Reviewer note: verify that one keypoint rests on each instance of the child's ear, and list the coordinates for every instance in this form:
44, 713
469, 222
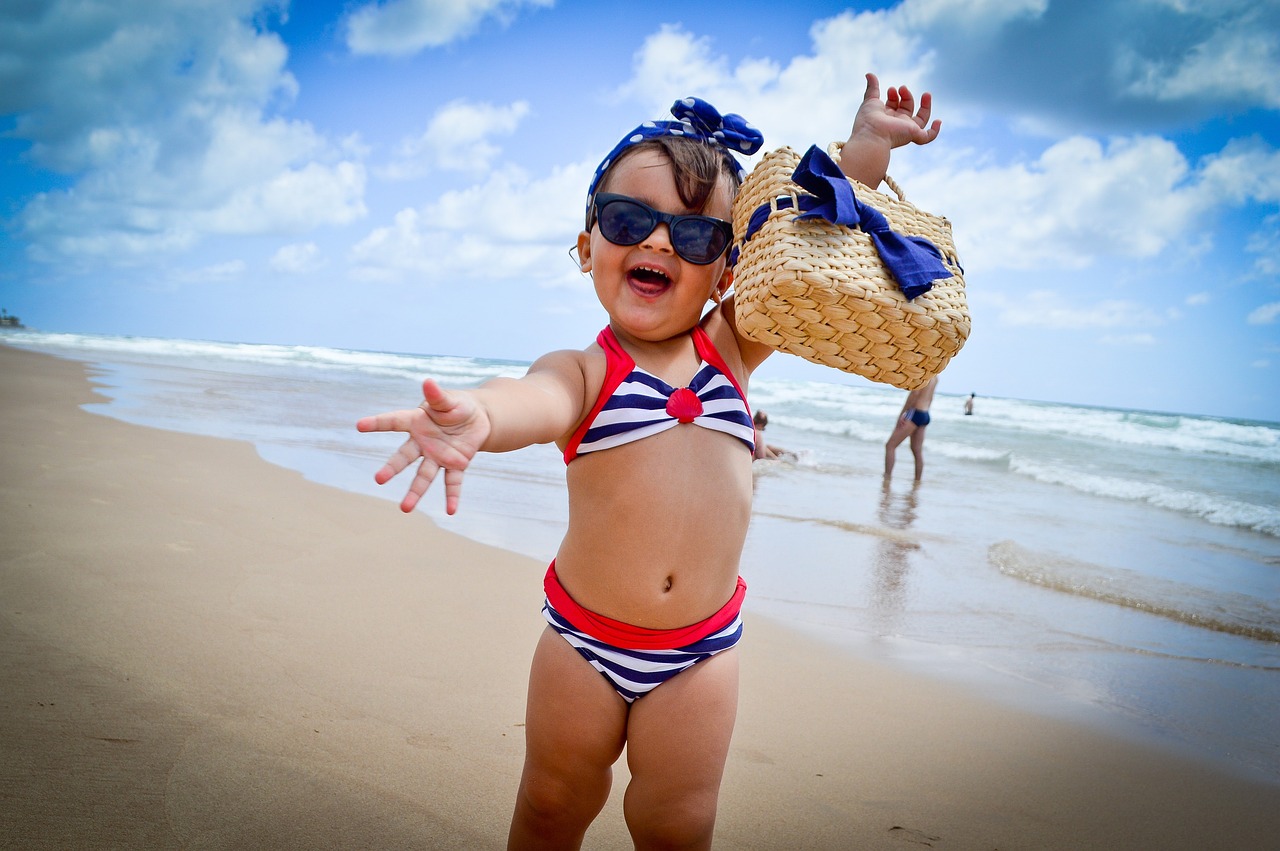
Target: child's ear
584, 252
722, 286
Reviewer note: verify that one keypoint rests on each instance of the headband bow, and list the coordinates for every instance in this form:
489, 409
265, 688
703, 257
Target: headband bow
697, 119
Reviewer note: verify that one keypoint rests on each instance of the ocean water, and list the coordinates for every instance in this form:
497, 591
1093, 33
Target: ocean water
1114, 567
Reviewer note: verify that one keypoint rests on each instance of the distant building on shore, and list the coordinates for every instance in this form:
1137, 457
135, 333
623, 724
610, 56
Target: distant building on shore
7, 321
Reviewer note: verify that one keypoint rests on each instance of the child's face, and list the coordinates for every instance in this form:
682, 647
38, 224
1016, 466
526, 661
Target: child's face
649, 291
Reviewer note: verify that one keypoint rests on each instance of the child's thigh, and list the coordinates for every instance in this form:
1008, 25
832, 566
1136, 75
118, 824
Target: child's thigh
574, 720
678, 734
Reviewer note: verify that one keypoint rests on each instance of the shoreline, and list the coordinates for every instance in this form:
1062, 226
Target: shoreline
201, 648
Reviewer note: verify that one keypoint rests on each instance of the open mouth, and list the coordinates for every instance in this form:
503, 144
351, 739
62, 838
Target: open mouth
648, 280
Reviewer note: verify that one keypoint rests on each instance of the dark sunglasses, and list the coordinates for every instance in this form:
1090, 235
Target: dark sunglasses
626, 221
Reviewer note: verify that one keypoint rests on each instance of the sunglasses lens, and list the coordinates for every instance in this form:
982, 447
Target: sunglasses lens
625, 222
698, 240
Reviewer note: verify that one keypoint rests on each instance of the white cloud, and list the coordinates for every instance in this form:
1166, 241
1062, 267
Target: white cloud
673, 60
1238, 53
1198, 299
1265, 243
1264, 315
402, 27
230, 270
1244, 170
811, 99
971, 15
83, 80
457, 139
507, 228
1046, 309
1079, 202
294, 200
297, 258
1133, 65
161, 111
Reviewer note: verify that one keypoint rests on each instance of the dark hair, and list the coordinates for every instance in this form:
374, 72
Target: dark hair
698, 167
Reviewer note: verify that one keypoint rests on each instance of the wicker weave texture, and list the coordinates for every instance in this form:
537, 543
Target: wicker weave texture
820, 290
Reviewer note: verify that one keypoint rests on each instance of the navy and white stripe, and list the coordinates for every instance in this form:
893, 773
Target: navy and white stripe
634, 404
634, 673
638, 409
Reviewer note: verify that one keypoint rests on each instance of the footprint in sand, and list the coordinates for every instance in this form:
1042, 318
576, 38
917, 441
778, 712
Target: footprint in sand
916, 837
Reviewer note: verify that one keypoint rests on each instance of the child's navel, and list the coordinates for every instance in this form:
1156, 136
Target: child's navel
670, 582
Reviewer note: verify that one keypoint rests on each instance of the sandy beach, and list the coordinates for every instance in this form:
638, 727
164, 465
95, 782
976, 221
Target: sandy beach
203, 650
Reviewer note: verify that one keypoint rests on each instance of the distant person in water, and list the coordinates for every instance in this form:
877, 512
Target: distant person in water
968, 406
911, 423
765, 452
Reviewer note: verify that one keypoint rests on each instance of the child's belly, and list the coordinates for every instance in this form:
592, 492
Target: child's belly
655, 541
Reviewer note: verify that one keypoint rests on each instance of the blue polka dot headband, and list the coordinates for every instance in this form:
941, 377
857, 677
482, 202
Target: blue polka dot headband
696, 119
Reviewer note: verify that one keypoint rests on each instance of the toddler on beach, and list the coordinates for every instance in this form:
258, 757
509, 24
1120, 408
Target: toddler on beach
643, 600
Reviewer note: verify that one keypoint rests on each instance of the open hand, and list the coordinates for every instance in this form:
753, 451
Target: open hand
445, 432
895, 119
882, 125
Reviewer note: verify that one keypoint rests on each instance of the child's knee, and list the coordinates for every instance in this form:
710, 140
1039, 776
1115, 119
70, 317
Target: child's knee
685, 822
553, 801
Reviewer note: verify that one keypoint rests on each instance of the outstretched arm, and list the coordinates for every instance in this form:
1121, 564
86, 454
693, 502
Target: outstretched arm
880, 126
450, 427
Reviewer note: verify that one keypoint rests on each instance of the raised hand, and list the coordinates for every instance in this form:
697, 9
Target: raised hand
895, 119
882, 125
445, 432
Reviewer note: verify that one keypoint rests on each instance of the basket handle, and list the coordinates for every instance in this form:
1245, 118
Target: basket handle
833, 151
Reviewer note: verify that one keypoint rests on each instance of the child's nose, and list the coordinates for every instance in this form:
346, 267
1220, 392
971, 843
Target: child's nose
659, 239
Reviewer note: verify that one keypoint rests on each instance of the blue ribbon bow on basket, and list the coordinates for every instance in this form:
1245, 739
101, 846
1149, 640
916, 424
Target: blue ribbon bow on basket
914, 261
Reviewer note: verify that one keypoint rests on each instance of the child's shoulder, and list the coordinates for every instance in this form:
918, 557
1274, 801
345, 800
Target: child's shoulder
580, 371
741, 353
569, 361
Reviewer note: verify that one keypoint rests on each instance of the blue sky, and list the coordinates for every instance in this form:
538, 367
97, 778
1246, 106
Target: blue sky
410, 175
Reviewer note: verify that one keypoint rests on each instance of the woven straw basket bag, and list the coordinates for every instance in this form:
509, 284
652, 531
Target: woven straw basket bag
821, 291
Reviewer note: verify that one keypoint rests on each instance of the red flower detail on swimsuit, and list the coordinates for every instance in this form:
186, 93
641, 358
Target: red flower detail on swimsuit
684, 405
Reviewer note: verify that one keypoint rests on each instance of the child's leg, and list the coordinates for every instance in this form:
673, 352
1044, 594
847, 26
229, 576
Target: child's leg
575, 726
677, 742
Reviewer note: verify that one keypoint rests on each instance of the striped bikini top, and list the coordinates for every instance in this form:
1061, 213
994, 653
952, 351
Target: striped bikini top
635, 404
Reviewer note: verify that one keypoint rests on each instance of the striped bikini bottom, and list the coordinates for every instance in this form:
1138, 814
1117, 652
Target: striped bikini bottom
633, 659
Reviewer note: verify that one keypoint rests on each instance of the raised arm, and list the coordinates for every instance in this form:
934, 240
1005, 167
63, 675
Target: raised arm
880, 126
451, 426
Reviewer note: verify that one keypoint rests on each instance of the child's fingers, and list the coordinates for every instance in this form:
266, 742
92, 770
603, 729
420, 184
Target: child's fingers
452, 490
388, 421
929, 132
926, 109
403, 457
436, 398
421, 483
873, 88
905, 100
